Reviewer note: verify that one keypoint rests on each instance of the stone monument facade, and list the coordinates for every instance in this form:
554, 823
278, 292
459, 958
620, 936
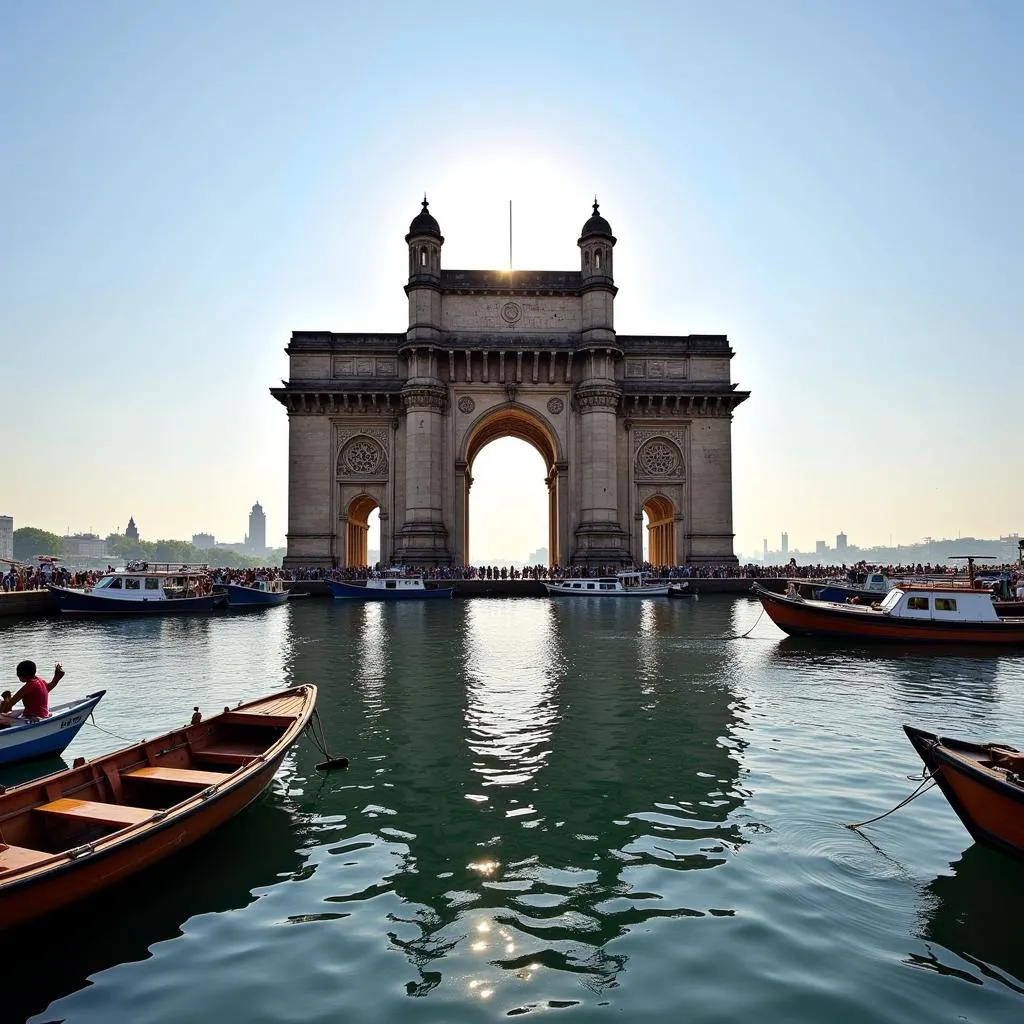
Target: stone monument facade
625, 424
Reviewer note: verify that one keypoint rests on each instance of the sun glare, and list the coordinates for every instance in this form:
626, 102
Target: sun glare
508, 511
548, 208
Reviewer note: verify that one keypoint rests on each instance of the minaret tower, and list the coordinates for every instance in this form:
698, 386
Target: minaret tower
424, 538
600, 539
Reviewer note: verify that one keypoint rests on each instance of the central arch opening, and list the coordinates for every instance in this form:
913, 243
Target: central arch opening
659, 544
511, 496
362, 542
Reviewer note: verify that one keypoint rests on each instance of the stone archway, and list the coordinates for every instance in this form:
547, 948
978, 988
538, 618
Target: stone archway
661, 531
523, 424
358, 530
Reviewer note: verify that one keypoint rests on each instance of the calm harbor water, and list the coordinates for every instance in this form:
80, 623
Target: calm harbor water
574, 809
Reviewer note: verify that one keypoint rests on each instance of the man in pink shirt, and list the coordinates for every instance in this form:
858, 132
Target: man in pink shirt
34, 692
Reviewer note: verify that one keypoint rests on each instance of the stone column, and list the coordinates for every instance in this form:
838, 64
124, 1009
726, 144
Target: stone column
600, 539
424, 537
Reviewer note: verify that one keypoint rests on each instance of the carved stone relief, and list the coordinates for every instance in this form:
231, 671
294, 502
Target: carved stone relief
363, 454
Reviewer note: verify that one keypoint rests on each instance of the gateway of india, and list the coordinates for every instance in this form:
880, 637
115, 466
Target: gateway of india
625, 424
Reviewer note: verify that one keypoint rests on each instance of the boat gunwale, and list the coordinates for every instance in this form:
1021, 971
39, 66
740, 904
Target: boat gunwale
57, 711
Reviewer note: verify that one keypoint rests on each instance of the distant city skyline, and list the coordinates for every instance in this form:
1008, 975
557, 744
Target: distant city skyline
861, 252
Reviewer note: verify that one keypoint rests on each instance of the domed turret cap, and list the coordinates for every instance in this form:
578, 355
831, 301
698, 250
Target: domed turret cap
424, 224
597, 225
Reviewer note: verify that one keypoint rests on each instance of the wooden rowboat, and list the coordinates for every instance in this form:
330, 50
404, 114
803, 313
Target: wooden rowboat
70, 834
984, 783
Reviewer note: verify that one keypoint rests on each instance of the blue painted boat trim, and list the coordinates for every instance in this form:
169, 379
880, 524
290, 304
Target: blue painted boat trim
75, 602
242, 596
34, 746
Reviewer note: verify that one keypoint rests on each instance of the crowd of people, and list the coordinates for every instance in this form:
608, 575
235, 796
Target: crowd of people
21, 578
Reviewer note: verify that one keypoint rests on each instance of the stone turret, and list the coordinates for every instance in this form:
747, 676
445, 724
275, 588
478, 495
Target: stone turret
424, 396
424, 288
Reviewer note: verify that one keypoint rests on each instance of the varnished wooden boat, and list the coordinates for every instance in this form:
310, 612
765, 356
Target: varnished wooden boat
908, 613
984, 783
68, 835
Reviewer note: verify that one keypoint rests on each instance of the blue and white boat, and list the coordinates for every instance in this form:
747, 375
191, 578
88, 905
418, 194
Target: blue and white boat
146, 588
258, 594
46, 737
389, 588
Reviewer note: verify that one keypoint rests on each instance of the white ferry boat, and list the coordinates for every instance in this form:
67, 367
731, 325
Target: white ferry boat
145, 588
390, 587
622, 584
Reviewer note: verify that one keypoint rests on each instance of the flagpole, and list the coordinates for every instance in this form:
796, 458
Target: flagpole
510, 236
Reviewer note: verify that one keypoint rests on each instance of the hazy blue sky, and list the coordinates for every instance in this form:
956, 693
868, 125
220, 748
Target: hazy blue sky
836, 186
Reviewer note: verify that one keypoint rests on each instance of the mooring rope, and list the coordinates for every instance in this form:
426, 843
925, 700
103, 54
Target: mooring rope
116, 735
744, 636
927, 782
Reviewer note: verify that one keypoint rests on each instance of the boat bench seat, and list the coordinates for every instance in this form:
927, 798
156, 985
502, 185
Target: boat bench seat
177, 776
217, 756
94, 811
13, 858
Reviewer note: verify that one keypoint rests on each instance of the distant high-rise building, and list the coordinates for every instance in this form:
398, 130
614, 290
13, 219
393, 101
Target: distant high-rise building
820, 548
840, 542
203, 541
256, 539
785, 543
132, 532
7, 537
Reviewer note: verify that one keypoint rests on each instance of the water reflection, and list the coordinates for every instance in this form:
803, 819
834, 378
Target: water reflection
552, 776
512, 664
975, 914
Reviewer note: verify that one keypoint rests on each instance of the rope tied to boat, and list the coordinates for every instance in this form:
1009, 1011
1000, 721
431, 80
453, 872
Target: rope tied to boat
116, 735
315, 731
927, 782
746, 636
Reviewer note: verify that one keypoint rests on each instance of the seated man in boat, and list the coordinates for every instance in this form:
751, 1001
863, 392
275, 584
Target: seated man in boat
34, 693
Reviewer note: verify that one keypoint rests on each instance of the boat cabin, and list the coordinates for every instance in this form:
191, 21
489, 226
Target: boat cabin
396, 583
950, 604
154, 581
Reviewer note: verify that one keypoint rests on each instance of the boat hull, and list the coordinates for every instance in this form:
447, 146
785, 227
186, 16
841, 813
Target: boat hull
247, 597
47, 737
990, 806
555, 590
152, 831
361, 593
78, 602
846, 622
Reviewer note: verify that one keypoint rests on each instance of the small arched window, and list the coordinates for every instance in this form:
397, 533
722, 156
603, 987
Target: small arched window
597, 259
423, 256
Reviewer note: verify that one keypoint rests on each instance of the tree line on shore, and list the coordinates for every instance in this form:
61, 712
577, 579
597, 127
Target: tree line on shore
30, 543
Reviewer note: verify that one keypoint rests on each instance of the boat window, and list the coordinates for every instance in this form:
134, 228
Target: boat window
891, 599
390, 584
917, 604
105, 582
590, 586
131, 583
945, 604
607, 586
152, 583
115, 583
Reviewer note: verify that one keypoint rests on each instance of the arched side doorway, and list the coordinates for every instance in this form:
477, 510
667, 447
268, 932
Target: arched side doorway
661, 531
525, 425
357, 530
